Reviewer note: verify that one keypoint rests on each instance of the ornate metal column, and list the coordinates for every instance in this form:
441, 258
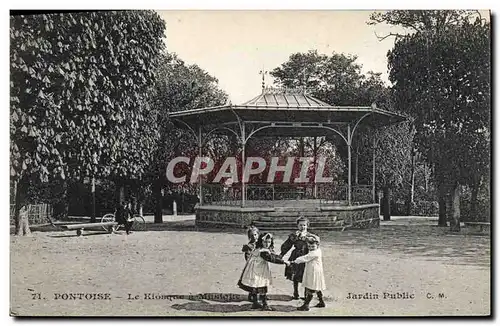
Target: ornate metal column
349, 141
373, 167
243, 145
200, 145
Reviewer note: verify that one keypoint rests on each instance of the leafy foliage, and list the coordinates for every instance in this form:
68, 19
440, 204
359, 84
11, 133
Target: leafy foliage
415, 21
392, 155
441, 75
443, 80
335, 79
179, 87
79, 93
338, 80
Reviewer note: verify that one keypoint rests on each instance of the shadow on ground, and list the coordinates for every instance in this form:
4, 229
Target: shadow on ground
74, 235
428, 241
225, 302
233, 297
183, 225
210, 307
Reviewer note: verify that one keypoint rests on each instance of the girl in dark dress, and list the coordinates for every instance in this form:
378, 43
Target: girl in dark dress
256, 276
297, 240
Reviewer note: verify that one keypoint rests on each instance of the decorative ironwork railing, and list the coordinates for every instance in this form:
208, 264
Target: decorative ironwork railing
218, 194
266, 194
362, 194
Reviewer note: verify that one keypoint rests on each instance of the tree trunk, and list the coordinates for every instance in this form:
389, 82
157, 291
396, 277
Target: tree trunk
453, 207
442, 204
408, 205
21, 211
158, 201
474, 204
122, 193
315, 154
411, 192
412, 188
92, 199
356, 167
119, 192
426, 178
386, 204
137, 200
61, 207
22, 222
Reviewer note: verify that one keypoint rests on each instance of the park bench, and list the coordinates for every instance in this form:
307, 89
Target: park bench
481, 227
108, 226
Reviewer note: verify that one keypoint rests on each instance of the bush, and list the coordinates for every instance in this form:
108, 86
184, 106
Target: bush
483, 210
425, 208
418, 208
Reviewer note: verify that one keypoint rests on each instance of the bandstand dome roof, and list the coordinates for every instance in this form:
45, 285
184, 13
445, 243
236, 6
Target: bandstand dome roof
284, 107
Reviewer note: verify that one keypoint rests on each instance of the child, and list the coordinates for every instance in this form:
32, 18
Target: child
298, 240
253, 235
314, 279
256, 275
125, 216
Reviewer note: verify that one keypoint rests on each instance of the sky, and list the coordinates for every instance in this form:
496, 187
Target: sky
234, 46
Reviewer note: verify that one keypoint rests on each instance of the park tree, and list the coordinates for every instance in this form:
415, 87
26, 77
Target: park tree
178, 87
440, 70
395, 152
421, 21
79, 97
335, 79
393, 155
338, 80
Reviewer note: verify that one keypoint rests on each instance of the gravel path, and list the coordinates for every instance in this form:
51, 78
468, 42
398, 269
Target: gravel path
173, 259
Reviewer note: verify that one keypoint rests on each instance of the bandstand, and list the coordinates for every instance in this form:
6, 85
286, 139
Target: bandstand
286, 113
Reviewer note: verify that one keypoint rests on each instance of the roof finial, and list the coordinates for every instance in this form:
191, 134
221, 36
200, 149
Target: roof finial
263, 73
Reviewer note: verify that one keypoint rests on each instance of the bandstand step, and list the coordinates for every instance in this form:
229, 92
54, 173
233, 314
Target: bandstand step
312, 224
297, 209
302, 212
293, 228
293, 219
288, 225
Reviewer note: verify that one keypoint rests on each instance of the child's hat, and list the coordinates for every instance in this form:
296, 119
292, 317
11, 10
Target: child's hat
312, 238
266, 235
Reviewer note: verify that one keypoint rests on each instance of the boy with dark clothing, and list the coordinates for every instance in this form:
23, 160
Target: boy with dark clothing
296, 240
125, 216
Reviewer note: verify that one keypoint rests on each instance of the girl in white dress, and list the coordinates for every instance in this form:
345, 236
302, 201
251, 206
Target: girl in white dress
256, 276
253, 236
314, 279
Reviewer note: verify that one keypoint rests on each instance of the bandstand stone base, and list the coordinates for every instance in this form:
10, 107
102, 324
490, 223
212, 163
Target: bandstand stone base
283, 217
228, 216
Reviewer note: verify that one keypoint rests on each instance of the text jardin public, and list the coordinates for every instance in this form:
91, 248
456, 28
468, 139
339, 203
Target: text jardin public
253, 166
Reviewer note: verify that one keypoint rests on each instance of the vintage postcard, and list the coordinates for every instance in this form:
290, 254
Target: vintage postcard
250, 163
